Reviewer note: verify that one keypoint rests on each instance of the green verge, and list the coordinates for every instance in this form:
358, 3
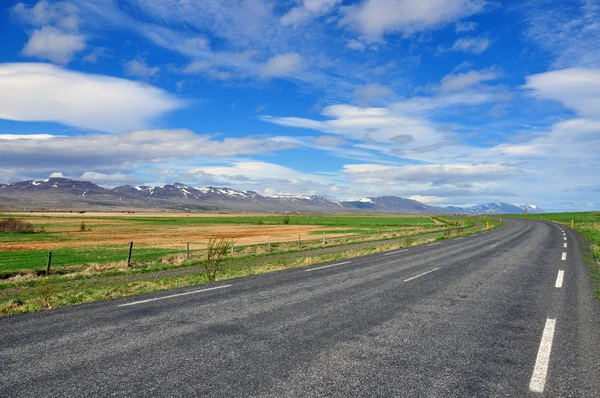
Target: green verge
58, 291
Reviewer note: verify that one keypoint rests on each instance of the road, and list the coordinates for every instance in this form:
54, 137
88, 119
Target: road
485, 315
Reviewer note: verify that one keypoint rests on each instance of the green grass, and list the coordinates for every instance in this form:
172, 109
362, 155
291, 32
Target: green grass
11, 261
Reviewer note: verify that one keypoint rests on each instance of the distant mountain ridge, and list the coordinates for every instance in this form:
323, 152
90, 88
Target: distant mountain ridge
64, 193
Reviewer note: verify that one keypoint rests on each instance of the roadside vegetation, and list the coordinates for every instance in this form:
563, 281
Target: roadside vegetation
100, 272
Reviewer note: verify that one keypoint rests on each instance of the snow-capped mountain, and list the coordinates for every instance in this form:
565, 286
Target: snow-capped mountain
503, 208
65, 193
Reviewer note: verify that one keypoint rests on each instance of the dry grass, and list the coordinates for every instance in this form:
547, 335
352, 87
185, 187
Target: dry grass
14, 226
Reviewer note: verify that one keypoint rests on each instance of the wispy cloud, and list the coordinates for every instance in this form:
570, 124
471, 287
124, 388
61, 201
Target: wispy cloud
373, 19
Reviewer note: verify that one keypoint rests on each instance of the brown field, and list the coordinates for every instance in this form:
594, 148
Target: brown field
114, 228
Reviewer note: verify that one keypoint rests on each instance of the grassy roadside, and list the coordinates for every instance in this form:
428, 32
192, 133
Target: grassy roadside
587, 227
63, 290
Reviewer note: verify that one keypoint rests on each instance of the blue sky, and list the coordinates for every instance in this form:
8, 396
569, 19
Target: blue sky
450, 102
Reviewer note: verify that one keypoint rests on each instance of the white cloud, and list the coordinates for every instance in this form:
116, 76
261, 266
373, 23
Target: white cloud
382, 124
427, 174
460, 81
356, 45
114, 178
473, 45
44, 92
329, 140
26, 136
309, 9
462, 27
371, 93
139, 68
259, 170
568, 31
62, 14
375, 18
57, 38
102, 152
576, 88
54, 45
282, 65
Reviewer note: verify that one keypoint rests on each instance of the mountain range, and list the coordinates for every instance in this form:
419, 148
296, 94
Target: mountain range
68, 194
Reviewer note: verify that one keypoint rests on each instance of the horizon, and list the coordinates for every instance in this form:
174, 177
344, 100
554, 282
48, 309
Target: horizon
332, 199
450, 103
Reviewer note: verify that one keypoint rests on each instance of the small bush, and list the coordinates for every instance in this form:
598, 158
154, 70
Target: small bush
13, 226
409, 241
286, 220
217, 249
83, 227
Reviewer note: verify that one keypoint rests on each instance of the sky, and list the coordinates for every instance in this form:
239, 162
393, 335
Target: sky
449, 102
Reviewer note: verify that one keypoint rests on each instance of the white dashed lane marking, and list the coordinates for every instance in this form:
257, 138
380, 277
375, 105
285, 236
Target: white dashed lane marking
540, 371
173, 295
420, 275
327, 266
559, 279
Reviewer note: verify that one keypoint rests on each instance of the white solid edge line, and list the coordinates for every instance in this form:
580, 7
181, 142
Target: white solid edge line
559, 279
432, 244
173, 295
564, 256
540, 371
424, 273
459, 238
494, 245
327, 266
400, 251
565, 238
565, 245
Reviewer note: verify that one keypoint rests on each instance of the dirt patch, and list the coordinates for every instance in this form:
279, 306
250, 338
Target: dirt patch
169, 237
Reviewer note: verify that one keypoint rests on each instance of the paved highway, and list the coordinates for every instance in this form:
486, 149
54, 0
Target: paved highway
508, 312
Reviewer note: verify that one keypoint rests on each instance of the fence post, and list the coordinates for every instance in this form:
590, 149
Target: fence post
324, 241
345, 240
187, 251
298, 241
48, 263
129, 254
232, 246
269, 244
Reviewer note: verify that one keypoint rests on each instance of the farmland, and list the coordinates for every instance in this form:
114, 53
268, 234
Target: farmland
89, 250
79, 239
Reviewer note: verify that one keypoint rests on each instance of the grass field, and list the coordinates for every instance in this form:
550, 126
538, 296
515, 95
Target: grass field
103, 238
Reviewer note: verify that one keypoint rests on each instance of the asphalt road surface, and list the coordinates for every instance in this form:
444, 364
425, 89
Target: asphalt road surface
508, 312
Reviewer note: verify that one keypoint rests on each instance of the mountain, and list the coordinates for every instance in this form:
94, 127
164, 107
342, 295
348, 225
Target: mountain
64, 193
503, 208
390, 204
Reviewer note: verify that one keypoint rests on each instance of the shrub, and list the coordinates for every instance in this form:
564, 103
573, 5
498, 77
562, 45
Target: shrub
217, 249
409, 241
13, 226
83, 227
286, 219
